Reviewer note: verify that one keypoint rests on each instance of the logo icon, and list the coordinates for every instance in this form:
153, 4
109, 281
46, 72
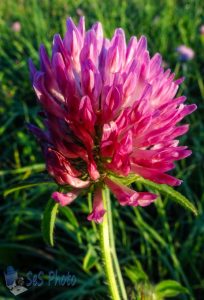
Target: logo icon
13, 282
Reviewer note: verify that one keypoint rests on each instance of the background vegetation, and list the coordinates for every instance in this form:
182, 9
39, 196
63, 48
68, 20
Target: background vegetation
160, 242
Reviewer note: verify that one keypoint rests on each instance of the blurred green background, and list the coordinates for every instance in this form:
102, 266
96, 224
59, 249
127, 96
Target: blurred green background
154, 244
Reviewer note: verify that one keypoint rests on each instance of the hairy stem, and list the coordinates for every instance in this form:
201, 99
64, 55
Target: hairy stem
112, 268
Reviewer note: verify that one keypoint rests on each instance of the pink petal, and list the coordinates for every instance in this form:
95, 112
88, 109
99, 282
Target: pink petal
72, 38
60, 73
65, 199
81, 26
89, 50
141, 46
75, 182
86, 114
91, 82
73, 43
127, 196
98, 208
62, 170
97, 27
92, 169
110, 103
131, 49
44, 97
146, 198
155, 175
109, 139
115, 57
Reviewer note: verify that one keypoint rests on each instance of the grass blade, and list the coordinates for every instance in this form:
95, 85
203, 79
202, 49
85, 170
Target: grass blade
48, 221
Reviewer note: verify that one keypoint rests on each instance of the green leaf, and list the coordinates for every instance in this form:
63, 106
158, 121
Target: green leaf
169, 288
32, 168
124, 180
26, 185
70, 216
170, 192
90, 259
161, 188
136, 273
48, 221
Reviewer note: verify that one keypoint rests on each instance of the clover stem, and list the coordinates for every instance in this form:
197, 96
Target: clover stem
112, 268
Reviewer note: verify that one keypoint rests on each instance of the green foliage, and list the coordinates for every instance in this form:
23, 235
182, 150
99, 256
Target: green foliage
170, 192
90, 259
48, 221
136, 273
170, 289
167, 241
161, 188
70, 216
25, 185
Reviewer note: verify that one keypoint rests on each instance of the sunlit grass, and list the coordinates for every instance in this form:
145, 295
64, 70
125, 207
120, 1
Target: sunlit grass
162, 241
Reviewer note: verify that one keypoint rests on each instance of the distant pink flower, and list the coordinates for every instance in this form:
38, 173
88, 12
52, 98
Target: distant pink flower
109, 108
16, 26
79, 12
185, 53
202, 29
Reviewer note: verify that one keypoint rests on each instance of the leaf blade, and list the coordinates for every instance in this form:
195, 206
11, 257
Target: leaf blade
161, 188
25, 186
48, 221
169, 288
169, 191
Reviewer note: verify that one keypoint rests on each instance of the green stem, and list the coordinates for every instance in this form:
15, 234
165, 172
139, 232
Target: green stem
112, 268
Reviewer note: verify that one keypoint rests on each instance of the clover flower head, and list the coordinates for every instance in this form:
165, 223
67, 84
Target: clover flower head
185, 53
16, 26
109, 110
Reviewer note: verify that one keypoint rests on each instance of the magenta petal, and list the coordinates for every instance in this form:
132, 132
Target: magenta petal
92, 169
98, 208
115, 58
39, 133
44, 60
97, 27
124, 195
72, 38
156, 175
91, 82
127, 196
179, 81
65, 199
146, 198
32, 69
110, 103
81, 26
89, 49
131, 49
48, 102
126, 144
86, 114
62, 170
76, 182
141, 45
73, 42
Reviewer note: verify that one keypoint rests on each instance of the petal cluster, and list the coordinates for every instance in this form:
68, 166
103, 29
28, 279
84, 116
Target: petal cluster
108, 108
